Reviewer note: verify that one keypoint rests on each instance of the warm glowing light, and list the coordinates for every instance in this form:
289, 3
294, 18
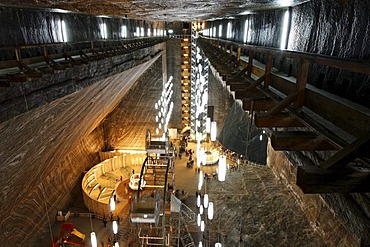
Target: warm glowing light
198, 201
186, 40
198, 219
201, 178
202, 226
218, 245
115, 227
205, 200
222, 168
208, 124
116, 244
112, 204
213, 131
94, 241
200, 244
210, 210
201, 209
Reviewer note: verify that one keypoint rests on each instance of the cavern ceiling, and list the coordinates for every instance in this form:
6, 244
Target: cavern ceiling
168, 10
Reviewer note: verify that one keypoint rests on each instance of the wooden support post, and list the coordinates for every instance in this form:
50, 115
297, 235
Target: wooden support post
283, 104
238, 75
250, 63
302, 75
258, 81
313, 179
268, 71
284, 119
358, 148
238, 54
299, 141
231, 51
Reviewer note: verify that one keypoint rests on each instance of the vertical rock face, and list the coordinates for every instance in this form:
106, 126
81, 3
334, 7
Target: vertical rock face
174, 69
126, 126
335, 28
46, 150
36, 26
219, 99
341, 220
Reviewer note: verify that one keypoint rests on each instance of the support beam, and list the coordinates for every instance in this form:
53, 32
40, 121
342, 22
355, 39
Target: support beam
250, 62
299, 141
284, 119
268, 71
259, 104
253, 93
258, 81
358, 148
239, 86
283, 104
302, 76
237, 77
313, 179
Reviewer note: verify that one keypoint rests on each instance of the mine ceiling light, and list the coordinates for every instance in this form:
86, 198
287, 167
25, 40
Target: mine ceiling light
210, 211
205, 201
94, 241
115, 227
222, 168
112, 204
285, 32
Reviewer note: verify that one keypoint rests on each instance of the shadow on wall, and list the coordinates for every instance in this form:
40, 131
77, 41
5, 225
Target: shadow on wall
237, 136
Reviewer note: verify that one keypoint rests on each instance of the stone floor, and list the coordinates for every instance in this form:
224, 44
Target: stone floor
251, 209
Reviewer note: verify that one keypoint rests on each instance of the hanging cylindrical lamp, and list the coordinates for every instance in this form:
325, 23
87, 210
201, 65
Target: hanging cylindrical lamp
115, 227
200, 244
213, 131
116, 244
112, 204
201, 178
202, 226
218, 245
198, 219
94, 241
210, 210
198, 201
222, 168
205, 200
201, 209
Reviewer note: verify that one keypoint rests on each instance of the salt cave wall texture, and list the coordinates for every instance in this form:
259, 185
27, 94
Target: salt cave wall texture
329, 27
335, 28
37, 26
